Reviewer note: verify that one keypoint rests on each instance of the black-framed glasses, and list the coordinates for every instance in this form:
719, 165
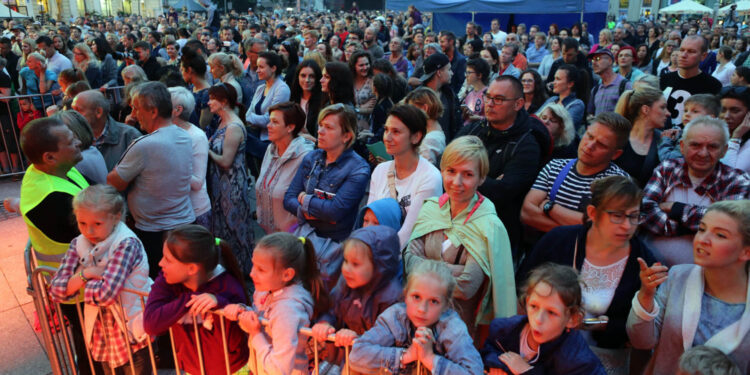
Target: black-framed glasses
497, 100
737, 90
618, 217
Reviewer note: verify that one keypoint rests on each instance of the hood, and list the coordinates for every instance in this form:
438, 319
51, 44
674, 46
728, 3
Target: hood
384, 244
520, 126
297, 293
386, 210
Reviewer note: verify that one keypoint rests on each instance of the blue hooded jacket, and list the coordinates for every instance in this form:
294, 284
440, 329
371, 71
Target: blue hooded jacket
357, 309
386, 210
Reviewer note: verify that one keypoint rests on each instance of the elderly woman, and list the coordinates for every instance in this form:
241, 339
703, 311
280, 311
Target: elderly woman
84, 60
37, 79
227, 68
274, 91
92, 166
462, 229
646, 109
283, 158
605, 250
408, 178
560, 127
433, 143
227, 176
706, 303
329, 184
183, 104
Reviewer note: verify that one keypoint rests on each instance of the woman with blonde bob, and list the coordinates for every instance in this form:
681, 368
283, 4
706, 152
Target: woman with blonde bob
706, 303
560, 126
85, 60
461, 228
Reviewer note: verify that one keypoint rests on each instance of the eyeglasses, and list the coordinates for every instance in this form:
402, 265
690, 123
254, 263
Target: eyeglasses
498, 100
470, 72
618, 217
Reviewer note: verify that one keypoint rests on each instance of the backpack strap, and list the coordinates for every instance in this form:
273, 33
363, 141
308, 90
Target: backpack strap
622, 86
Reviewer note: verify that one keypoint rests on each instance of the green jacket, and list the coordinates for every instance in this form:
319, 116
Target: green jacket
483, 235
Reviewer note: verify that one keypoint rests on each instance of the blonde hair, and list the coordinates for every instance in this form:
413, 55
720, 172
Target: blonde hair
465, 148
347, 119
569, 130
425, 96
438, 270
38, 57
230, 62
739, 210
315, 56
90, 59
634, 100
100, 198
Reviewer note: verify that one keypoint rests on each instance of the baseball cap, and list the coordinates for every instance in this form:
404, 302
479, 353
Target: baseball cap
601, 51
432, 64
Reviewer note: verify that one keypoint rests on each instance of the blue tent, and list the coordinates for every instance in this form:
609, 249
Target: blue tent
453, 14
191, 5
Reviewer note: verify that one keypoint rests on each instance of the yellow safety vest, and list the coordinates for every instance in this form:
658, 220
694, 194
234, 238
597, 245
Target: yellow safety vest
36, 186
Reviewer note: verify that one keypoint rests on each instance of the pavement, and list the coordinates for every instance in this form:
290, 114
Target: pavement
22, 349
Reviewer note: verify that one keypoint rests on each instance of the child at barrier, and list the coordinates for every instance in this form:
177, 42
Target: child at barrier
422, 332
287, 286
544, 341
105, 258
368, 285
192, 282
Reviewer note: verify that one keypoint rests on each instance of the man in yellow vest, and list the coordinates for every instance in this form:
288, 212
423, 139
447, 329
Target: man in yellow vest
47, 192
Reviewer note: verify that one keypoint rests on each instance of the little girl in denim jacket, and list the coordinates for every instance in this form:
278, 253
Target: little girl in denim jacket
368, 285
544, 341
422, 333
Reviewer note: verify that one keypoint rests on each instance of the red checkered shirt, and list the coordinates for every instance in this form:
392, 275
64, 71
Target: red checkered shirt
108, 343
724, 183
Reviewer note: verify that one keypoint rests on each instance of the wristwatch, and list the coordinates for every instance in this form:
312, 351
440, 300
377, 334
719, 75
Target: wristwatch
548, 207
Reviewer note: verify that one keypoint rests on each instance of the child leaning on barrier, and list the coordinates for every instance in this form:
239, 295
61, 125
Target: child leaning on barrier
368, 285
105, 258
287, 286
192, 282
422, 332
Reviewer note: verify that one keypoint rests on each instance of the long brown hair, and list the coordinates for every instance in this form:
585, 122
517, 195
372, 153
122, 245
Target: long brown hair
298, 253
192, 243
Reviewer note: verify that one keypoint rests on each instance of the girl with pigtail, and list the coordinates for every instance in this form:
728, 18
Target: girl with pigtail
289, 294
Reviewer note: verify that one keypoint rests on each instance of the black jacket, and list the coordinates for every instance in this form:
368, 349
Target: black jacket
516, 154
558, 246
152, 68
451, 119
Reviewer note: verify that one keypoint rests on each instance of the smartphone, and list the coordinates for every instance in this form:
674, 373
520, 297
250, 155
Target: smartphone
594, 321
227, 44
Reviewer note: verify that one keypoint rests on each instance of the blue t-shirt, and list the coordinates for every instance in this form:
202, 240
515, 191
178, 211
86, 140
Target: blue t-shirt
715, 316
32, 85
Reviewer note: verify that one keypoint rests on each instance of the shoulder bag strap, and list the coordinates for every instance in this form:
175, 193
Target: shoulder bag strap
560, 178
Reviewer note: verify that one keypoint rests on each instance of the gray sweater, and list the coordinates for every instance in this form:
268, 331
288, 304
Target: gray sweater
661, 329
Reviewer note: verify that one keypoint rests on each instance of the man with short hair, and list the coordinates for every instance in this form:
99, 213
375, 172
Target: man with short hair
6, 52
111, 138
498, 36
515, 153
457, 60
309, 41
56, 61
146, 61
536, 52
156, 170
688, 79
571, 55
604, 96
471, 34
371, 44
507, 54
561, 192
437, 76
680, 190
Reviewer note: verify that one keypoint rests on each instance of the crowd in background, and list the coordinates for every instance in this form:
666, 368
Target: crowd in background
430, 181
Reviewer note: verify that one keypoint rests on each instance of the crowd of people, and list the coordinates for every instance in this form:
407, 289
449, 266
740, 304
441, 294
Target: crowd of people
510, 200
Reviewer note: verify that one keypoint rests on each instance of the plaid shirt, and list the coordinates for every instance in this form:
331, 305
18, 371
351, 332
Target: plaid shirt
724, 183
108, 343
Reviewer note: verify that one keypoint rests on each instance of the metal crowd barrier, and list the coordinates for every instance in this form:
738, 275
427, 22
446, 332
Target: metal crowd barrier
10, 131
59, 345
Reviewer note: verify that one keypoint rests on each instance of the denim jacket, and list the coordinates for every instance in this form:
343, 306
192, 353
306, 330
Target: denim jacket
575, 108
333, 192
380, 348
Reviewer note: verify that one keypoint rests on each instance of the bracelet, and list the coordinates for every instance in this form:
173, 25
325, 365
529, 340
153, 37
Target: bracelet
80, 274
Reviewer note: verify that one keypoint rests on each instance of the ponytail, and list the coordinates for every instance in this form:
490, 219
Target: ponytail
231, 264
235, 66
298, 253
621, 108
313, 281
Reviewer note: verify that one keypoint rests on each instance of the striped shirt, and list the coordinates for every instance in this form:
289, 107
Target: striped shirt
575, 191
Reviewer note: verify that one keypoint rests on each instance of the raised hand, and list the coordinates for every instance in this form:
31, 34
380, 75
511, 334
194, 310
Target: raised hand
651, 278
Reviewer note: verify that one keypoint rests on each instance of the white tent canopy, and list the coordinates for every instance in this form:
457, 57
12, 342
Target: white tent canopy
743, 7
686, 7
6, 12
